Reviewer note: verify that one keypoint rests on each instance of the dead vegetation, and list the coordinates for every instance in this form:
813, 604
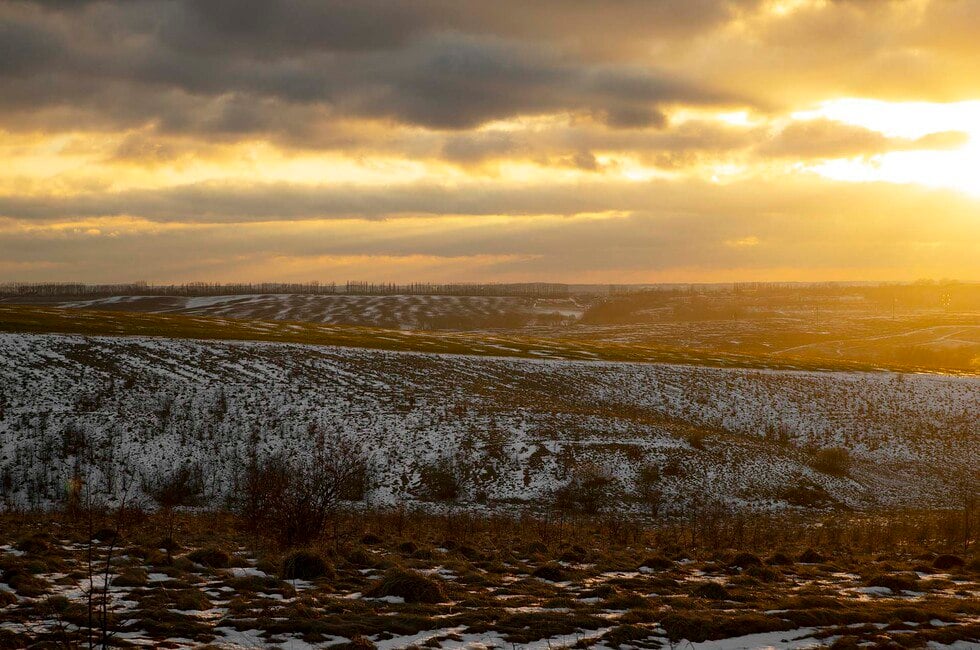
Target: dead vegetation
430, 578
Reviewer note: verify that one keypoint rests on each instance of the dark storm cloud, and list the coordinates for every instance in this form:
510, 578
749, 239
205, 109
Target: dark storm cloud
435, 64
26, 49
286, 27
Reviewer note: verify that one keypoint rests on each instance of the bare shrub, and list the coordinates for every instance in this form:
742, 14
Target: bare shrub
183, 487
295, 498
591, 490
648, 489
441, 480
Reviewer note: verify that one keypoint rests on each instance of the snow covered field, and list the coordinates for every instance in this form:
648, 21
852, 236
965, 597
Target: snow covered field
515, 427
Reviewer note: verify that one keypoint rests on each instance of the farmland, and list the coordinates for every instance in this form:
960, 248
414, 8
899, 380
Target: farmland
722, 483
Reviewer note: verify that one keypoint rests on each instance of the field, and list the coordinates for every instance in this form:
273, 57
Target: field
750, 344
715, 484
392, 312
741, 435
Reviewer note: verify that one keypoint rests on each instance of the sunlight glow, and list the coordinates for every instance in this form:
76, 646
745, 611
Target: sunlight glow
957, 168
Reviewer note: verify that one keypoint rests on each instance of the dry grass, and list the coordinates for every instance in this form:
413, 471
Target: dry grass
463, 570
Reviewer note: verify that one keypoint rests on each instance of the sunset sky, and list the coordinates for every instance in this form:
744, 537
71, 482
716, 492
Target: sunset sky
451, 140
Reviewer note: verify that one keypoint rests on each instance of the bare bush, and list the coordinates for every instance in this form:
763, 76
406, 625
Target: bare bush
591, 490
180, 488
441, 480
294, 499
648, 489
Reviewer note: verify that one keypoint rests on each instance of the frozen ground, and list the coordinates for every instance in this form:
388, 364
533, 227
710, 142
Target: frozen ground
514, 428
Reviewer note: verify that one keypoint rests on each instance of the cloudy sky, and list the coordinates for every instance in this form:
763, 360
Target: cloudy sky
499, 140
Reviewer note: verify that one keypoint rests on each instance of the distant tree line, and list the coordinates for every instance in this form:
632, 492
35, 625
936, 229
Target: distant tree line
526, 289
70, 289
79, 290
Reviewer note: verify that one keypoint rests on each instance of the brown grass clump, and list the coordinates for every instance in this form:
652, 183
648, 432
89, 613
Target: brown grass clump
407, 547
211, 557
413, 586
370, 539
574, 554
356, 643
360, 558
551, 571
131, 577
190, 599
624, 634
947, 562
657, 563
535, 548
702, 626
33, 546
763, 574
711, 591
105, 535
835, 461
24, 583
305, 565
746, 560
780, 559
895, 581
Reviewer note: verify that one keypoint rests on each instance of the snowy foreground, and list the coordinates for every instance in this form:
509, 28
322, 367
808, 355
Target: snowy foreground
513, 428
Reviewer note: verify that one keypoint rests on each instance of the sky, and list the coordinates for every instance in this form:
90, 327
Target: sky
580, 141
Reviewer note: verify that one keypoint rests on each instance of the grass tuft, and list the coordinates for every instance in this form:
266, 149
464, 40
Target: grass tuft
305, 565
214, 558
413, 586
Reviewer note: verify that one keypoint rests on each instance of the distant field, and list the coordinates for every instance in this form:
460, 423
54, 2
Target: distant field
922, 340
552, 343
413, 312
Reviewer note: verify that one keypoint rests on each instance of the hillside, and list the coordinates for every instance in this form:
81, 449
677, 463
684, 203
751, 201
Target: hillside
512, 429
